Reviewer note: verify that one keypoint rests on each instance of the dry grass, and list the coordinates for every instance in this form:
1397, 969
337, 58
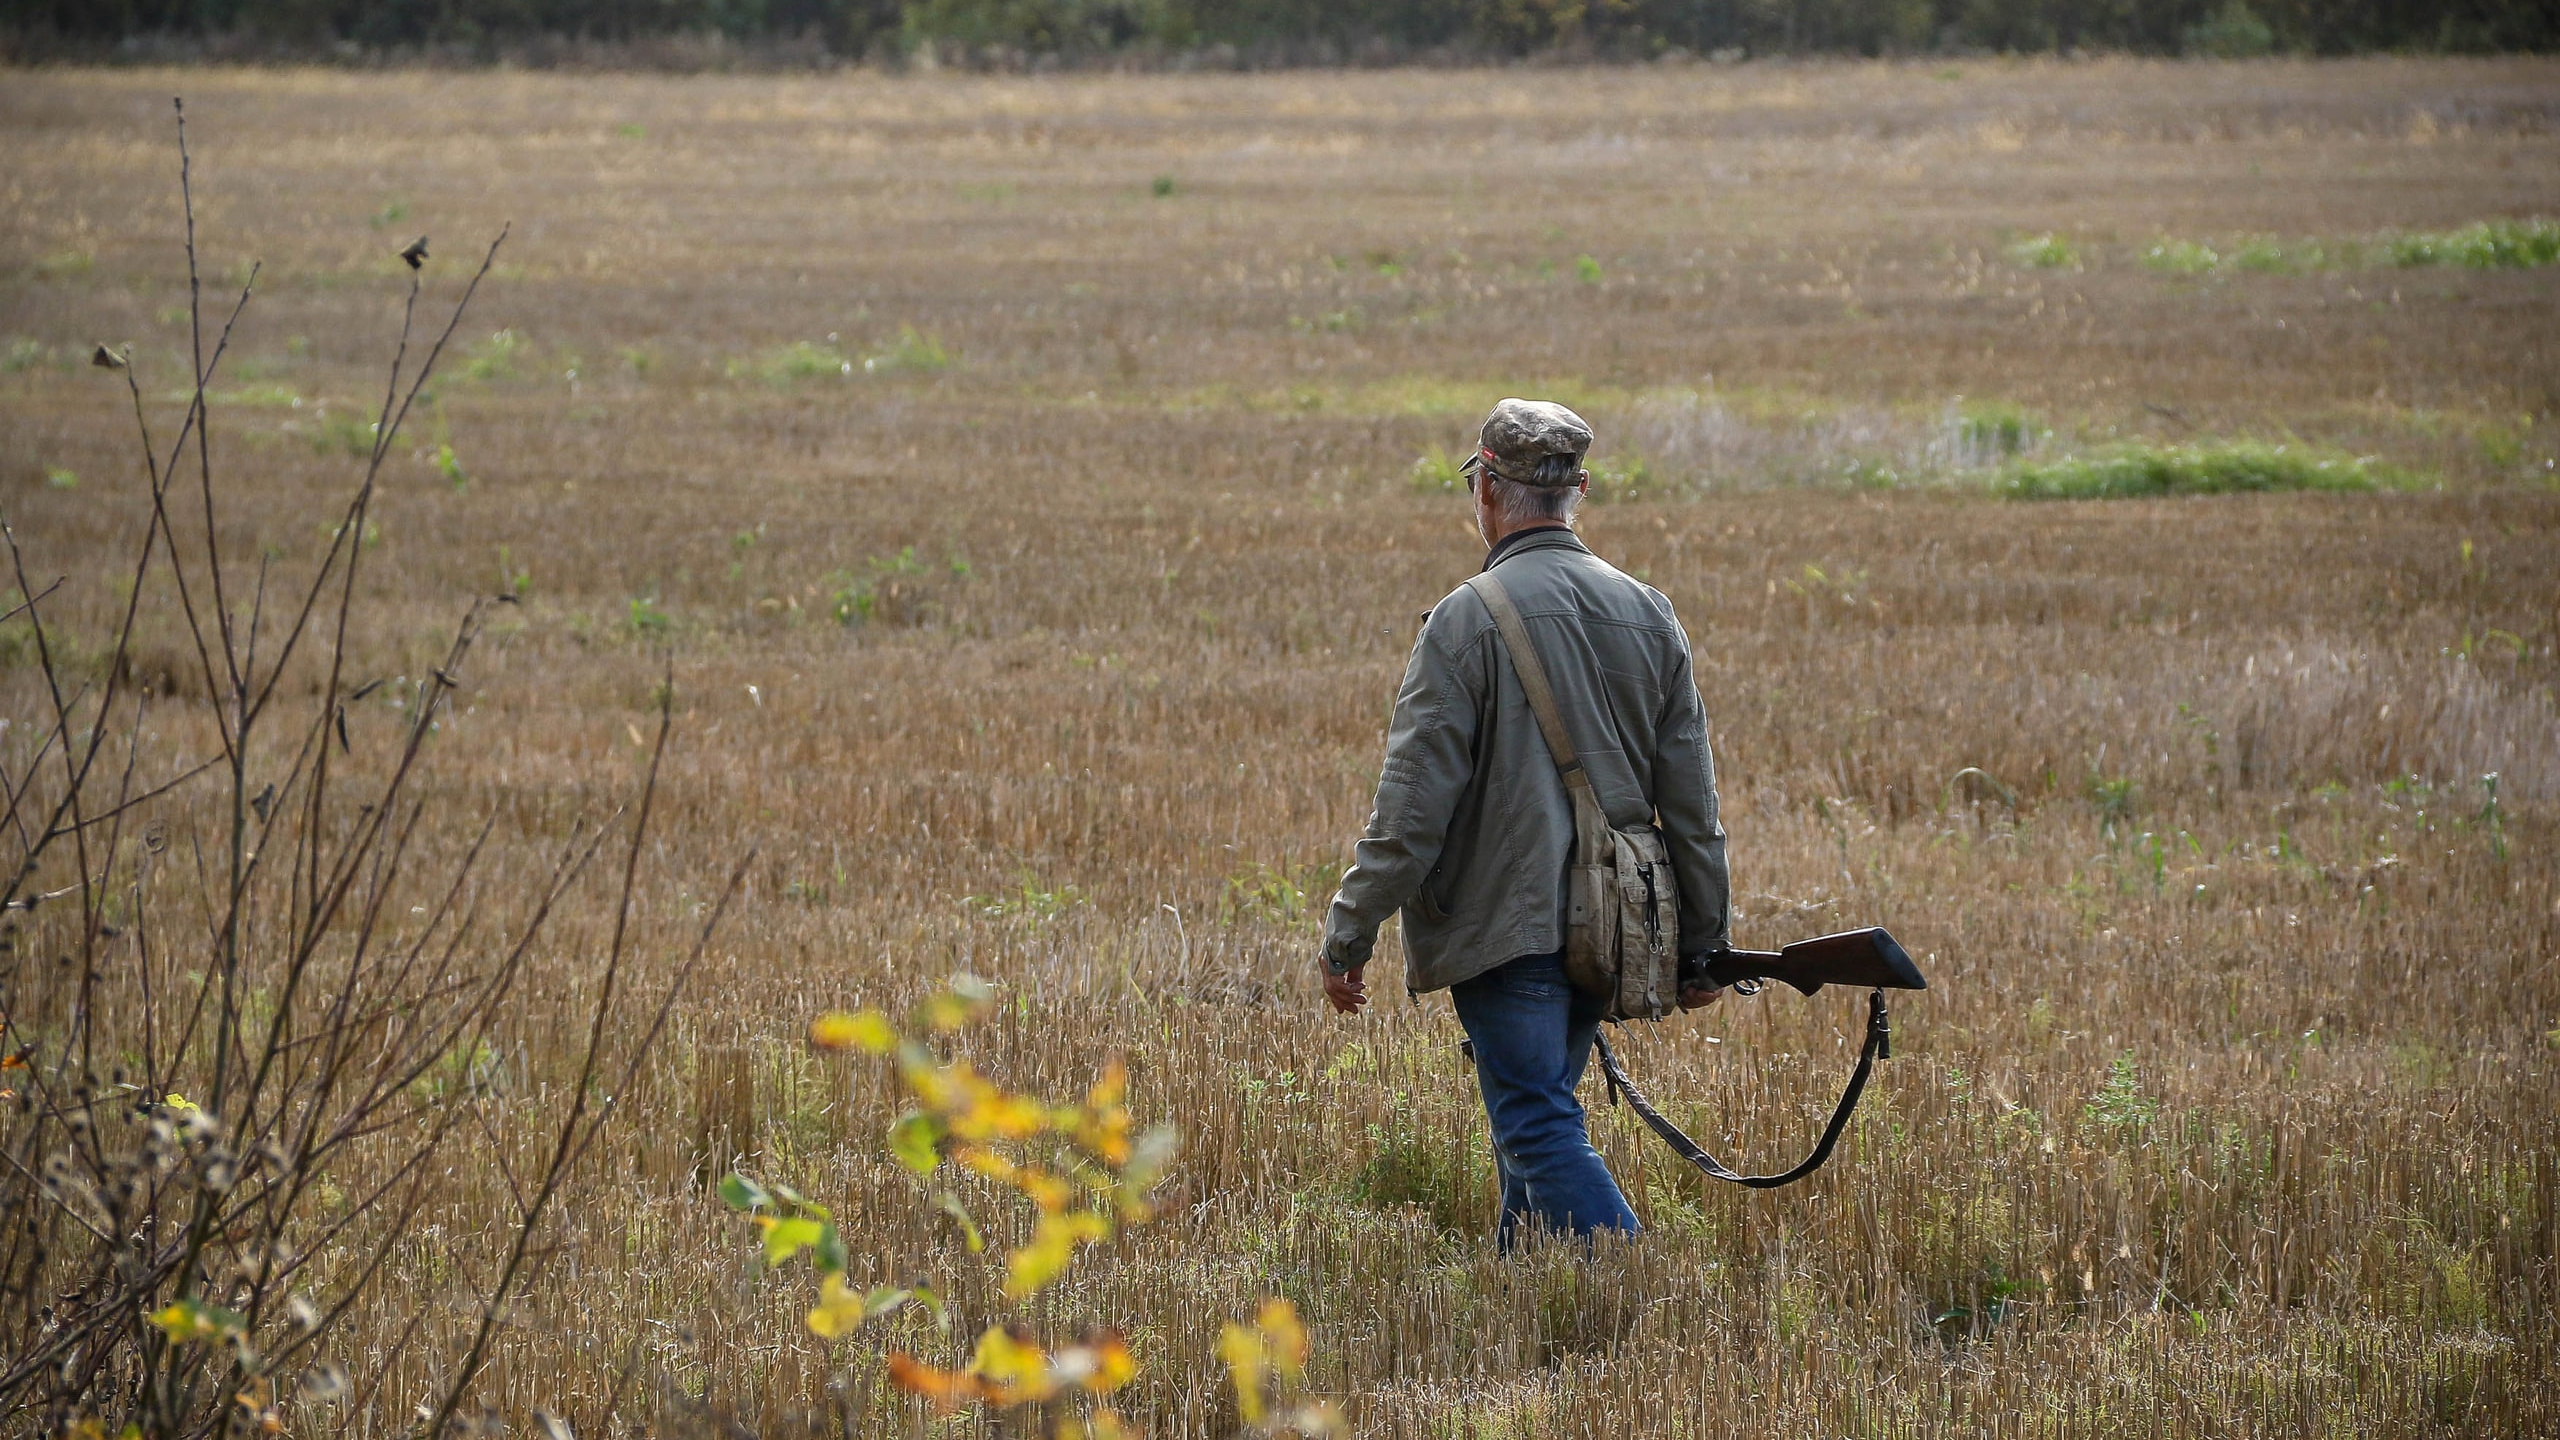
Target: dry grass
2232, 1106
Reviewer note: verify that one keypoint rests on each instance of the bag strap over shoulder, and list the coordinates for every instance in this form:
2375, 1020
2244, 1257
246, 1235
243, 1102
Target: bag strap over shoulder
1587, 812
1533, 674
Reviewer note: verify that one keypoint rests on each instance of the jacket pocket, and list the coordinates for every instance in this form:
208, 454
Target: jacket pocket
1427, 902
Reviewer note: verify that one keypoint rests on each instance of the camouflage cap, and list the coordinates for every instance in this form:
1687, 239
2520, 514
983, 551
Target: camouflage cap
1520, 433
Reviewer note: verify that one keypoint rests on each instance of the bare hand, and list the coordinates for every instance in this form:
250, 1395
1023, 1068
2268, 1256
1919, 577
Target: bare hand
1348, 991
1699, 997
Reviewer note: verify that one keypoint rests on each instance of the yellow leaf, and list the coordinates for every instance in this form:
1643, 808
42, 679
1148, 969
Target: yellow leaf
986, 1162
950, 1205
1109, 1087
1148, 1161
865, 1030
956, 1006
786, 1238
840, 1310
915, 1140
949, 1389
1102, 1134
1246, 1366
1046, 1189
1053, 1244
258, 1399
976, 1108
1113, 1365
1014, 1370
1284, 1337
189, 1321
1106, 1425
1014, 1117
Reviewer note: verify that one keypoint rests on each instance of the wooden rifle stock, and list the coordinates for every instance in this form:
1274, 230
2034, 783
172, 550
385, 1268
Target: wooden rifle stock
1865, 959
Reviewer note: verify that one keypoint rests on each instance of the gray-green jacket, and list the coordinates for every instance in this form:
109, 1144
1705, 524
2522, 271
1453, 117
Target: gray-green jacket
1472, 833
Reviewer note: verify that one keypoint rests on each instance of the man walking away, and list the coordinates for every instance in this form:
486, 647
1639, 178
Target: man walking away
1472, 831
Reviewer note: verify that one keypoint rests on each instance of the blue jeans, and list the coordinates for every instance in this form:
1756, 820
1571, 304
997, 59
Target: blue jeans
1531, 1033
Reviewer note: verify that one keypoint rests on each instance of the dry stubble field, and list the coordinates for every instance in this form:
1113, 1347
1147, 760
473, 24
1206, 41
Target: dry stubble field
1018, 474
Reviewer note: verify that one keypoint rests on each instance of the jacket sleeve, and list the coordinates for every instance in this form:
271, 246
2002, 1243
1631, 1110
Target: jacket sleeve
1685, 806
1430, 759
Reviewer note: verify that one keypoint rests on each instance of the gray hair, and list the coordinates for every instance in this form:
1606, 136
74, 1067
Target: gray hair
1555, 496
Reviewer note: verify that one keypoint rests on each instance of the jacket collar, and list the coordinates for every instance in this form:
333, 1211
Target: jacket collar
1546, 538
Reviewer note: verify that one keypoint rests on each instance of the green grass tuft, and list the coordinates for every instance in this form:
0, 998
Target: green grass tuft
1436, 472
2180, 257
1623, 477
911, 351
802, 360
2221, 468
496, 358
2489, 245
648, 619
1997, 427
2044, 252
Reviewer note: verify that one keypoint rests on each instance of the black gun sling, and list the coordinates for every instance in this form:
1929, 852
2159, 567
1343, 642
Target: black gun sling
1879, 1046
1541, 697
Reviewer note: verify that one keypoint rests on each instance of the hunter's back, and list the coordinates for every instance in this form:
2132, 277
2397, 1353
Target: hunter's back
1485, 884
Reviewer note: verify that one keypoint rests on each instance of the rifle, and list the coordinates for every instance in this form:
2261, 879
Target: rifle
1866, 959
1869, 958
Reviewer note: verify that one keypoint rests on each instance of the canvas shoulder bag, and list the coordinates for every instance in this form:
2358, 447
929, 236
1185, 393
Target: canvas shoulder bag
1622, 907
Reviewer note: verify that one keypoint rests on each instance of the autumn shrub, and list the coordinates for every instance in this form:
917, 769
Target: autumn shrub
238, 1051
1087, 1172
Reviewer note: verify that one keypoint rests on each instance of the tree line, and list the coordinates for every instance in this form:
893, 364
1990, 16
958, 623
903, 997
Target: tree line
1312, 31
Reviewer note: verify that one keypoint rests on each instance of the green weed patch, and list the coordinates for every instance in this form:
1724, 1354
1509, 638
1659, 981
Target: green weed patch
1437, 472
1994, 427
2489, 245
2228, 468
1625, 477
495, 358
2172, 256
910, 352
2044, 252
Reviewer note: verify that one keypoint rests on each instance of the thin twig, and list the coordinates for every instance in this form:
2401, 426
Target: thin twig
568, 1147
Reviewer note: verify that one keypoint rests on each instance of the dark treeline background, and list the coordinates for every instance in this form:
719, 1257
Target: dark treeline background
1279, 31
